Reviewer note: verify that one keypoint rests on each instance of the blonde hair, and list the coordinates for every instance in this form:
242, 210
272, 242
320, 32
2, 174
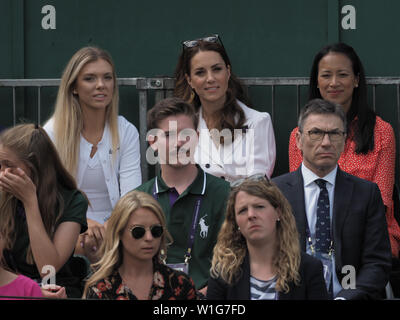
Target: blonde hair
33, 147
67, 116
111, 248
231, 248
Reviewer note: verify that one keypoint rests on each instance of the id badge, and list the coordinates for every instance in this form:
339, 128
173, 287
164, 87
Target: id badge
184, 267
326, 260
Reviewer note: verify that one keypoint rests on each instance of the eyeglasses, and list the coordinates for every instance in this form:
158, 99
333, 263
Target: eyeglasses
318, 135
254, 177
139, 231
193, 43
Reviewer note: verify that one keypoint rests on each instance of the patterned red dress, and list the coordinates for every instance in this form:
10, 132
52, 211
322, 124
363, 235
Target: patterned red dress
377, 166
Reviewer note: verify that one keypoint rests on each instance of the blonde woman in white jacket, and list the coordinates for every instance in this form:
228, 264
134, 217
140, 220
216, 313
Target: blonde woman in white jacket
98, 147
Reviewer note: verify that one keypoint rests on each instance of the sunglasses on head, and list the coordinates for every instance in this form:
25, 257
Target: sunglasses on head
254, 177
193, 43
139, 231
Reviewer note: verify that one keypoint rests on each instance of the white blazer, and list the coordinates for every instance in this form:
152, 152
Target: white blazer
123, 174
253, 150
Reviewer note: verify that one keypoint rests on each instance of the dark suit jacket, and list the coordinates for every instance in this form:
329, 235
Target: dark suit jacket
311, 286
359, 227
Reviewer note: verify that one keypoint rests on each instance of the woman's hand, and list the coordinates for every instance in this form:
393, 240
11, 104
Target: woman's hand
203, 291
95, 230
90, 241
19, 184
54, 292
91, 249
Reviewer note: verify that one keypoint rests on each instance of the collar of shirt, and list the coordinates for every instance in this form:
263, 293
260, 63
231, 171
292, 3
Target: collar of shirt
309, 176
202, 123
105, 138
198, 186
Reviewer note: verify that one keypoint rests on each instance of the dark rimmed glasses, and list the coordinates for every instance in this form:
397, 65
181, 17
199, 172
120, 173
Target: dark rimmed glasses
139, 231
318, 135
254, 177
193, 43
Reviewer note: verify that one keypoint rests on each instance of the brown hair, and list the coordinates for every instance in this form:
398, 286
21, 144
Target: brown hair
231, 116
231, 247
33, 147
170, 107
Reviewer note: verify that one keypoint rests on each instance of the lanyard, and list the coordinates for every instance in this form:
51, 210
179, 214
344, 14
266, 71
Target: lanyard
193, 227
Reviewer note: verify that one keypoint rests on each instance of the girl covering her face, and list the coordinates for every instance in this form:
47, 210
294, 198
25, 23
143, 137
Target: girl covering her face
41, 210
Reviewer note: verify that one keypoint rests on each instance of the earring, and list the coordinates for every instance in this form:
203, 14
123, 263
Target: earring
192, 95
162, 256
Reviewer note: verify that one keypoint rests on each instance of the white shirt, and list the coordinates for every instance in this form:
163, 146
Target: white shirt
251, 152
311, 194
121, 175
95, 187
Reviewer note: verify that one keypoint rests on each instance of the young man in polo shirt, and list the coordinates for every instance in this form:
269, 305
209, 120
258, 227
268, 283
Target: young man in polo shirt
193, 201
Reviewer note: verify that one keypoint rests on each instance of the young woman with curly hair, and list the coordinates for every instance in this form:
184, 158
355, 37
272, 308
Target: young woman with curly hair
257, 255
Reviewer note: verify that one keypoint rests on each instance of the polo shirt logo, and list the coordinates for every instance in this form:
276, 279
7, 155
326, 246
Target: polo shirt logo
204, 227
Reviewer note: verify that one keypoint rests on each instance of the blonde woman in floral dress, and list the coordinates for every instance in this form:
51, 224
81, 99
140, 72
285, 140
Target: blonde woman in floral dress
131, 266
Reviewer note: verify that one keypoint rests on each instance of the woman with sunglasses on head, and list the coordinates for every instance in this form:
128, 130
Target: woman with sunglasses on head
132, 253
41, 210
337, 75
98, 147
257, 255
235, 141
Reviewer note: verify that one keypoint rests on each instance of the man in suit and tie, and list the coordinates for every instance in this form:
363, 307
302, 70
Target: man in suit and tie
340, 218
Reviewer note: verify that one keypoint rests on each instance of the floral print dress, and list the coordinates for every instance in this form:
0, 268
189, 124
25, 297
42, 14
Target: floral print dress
168, 284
